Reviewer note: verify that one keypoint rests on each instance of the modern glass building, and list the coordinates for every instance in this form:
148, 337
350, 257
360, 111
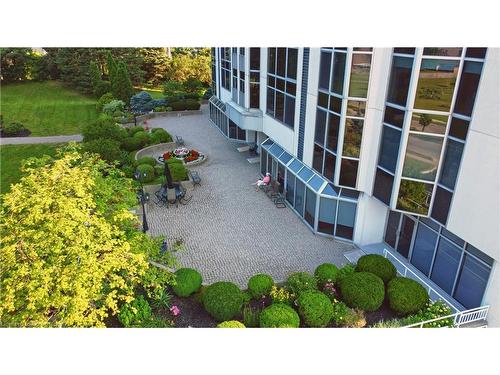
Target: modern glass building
388, 148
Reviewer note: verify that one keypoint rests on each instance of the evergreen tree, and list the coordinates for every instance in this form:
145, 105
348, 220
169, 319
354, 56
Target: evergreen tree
95, 78
121, 85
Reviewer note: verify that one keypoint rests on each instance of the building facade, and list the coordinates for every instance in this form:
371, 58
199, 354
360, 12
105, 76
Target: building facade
390, 148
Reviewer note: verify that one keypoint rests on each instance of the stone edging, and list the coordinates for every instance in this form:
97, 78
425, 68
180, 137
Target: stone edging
151, 115
169, 146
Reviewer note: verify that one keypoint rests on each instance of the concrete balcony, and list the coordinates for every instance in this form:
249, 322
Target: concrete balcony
247, 119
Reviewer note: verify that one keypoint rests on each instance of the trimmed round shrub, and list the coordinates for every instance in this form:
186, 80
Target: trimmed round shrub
315, 308
187, 282
160, 135
147, 160
223, 300
135, 129
178, 105
177, 170
147, 172
299, 282
135, 313
159, 170
279, 315
13, 128
131, 144
143, 137
260, 285
326, 273
103, 100
104, 128
346, 270
192, 104
108, 149
231, 324
378, 265
406, 296
363, 290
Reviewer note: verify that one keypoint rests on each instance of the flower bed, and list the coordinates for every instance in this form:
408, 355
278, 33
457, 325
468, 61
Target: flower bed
189, 157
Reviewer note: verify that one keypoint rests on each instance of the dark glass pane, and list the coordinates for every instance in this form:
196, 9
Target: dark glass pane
366, 49
446, 265
352, 137
360, 75
291, 88
346, 219
254, 95
348, 172
452, 237
427, 123
324, 70
289, 111
310, 211
443, 51
458, 128
405, 50
399, 80
422, 156
423, 249
281, 62
254, 58
414, 197
327, 213
280, 106
405, 236
323, 100
242, 134
451, 164
270, 102
319, 135
472, 282
329, 170
290, 187
441, 205
335, 104
263, 161
333, 132
436, 83
389, 148
299, 197
467, 88
391, 230
318, 158
280, 84
394, 116
478, 53
271, 81
429, 222
480, 255
356, 108
382, 187
292, 63
232, 130
337, 85
349, 193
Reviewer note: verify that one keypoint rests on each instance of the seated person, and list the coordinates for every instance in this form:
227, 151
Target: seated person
265, 181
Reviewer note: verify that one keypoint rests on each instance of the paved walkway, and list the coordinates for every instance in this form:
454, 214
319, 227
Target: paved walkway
32, 140
231, 231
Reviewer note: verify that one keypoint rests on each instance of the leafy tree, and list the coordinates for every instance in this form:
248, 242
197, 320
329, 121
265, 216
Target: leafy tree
193, 86
71, 253
17, 64
121, 85
154, 64
184, 66
173, 88
112, 67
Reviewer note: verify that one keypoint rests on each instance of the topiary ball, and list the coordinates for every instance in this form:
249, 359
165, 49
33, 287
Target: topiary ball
315, 308
260, 285
406, 296
143, 137
299, 282
363, 290
326, 273
187, 282
147, 160
223, 300
147, 172
378, 265
231, 324
279, 315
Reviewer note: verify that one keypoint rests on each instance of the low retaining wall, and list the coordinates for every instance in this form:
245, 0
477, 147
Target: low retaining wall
148, 151
151, 115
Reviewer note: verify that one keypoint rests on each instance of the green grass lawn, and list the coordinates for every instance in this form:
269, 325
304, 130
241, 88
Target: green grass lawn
155, 93
11, 157
46, 108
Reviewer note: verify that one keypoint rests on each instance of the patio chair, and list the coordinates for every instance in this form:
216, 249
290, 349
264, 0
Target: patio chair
179, 141
279, 201
161, 197
181, 198
195, 177
274, 190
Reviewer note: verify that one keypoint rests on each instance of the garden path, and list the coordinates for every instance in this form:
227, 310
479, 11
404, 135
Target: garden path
33, 140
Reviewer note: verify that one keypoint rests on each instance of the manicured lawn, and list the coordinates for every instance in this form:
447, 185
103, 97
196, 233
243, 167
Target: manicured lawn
46, 108
155, 93
11, 157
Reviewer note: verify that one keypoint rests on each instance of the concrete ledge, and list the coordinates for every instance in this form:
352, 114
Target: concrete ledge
151, 115
170, 146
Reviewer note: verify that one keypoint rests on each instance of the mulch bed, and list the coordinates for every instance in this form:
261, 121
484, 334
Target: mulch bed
22, 133
192, 313
384, 313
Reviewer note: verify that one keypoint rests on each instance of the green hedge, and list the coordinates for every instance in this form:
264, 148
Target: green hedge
187, 282
147, 160
177, 170
299, 282
315, 308
231, 324
260, 285
406, 296
326, 273
147, 172
363, 290
378, 265
279, 315
223, 300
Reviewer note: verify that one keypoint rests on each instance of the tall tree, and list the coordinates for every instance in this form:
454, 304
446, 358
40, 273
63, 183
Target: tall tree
16, 64
155, 64
121, 85
95, 78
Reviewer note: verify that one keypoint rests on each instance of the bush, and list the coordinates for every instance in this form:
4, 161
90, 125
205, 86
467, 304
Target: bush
363, 290
136, 129
247, 297
102, 88
299, 282
103, 100
13, 128
178, 105
378, 265
223, 300
131, 144
433, 310
147, 172
147, 160
315, 308
187, 282
135, 313
406, 296
159, 170
279, 315
173, 88
143, 137
113, 108
159, 135
208, 93
326, 273
192, 104
260, 285
104, 128
281, 295
251, 317
141, 102
231, 324
393, 323
177, 170
192, 96
108, 149
347, 270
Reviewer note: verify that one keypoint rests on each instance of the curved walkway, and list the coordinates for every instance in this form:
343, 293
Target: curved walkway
33, 140
231, 231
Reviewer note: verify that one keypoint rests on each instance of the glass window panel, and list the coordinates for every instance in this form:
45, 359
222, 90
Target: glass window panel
285, 158
319, 135
480, 255
478, 53
400, 80
333, 132
389, 148
427, 123
423, 248
467, 88
348, 172
329, 170
327, 213
382, 188
405, 236
291, 88
271, 81
232, 130
254, 95
394, 116
263, 161
451, 164
295, 166
255, 58
335, 104
472, 282
458, 128
337, 84
270, 102
391, 230
324, 70
452, 237
280, 84
331, 190
289, 111
316, 182
310, 211
441, 205
290, 187
366, 49
405, 50
352, 137
345, 220
270, 164
299, 196
356, 108
446, 265
292, 63
436, 83
280, 106
414, 197
281, 62
349, 193
318, 158
443, 51
305, 174
323, 100
430, 223
360, 75
267, 143
242, 134
276, 150
422, 156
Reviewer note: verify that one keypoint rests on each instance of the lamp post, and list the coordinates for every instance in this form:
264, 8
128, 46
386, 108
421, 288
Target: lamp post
142, 197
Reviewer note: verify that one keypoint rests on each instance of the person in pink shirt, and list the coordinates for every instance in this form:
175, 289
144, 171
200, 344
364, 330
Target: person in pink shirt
265, 181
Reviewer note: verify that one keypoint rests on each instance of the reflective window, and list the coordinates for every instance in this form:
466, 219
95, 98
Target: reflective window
405, 50
345, 220
451, 164
338, 71
382, 188
348, 172
335, 104
472, 282
458, 128
427, 123
446, 265
394, 116
352, 137
467, 89
323, 100
254, 58
414, 196
281, 62
436, 83
279, 106
443, 51
327, 213
324, 70
422, 156
263, 161
329, 170
319, 135
292, 63
333, 132
389, 148
478, 53
310, 210
299, 196
356, 108
360, 74
318, 158
305, 174
289, 110
423, 248
441, 205
290, 187
399, 80
391, 231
